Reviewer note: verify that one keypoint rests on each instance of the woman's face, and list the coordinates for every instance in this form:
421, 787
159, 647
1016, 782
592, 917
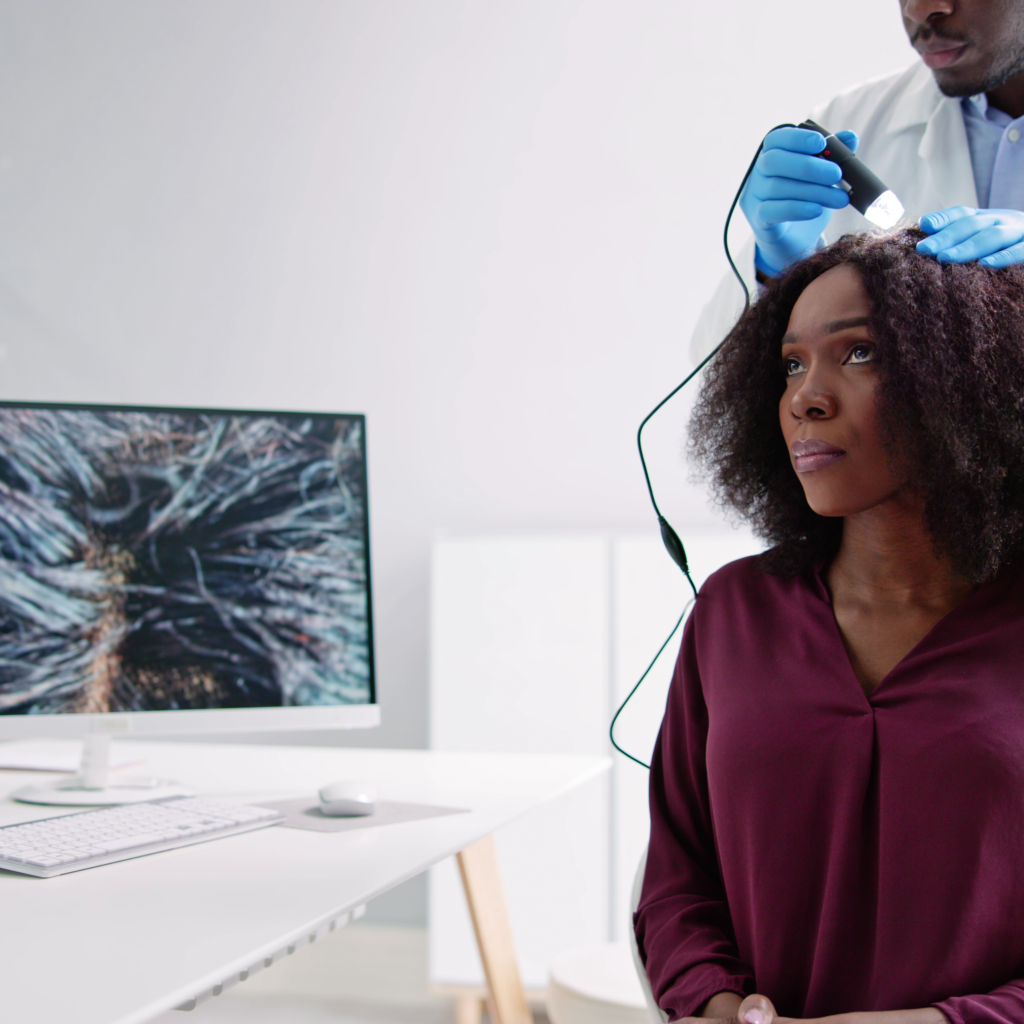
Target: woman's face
829, 410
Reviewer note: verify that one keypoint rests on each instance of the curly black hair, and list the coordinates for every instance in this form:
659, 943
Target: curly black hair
951, 393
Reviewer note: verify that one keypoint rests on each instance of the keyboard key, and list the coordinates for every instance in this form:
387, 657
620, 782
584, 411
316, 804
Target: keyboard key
126, 842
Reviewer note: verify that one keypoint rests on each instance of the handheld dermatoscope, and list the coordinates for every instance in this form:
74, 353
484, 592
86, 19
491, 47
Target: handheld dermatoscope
866, 191
879, 205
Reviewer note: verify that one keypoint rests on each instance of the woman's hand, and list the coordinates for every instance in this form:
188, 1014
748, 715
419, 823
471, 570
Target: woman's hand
724, 1006
758, 1009
728, 1008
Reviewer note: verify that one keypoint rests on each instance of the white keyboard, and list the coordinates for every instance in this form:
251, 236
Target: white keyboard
54, 846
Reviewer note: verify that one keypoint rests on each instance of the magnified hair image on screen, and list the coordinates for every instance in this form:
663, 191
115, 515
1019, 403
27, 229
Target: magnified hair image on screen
162, 560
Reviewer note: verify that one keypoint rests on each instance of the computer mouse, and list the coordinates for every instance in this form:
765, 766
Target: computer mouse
347, 799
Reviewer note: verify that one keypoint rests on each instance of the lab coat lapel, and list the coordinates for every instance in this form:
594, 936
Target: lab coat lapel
947, 158
941, 175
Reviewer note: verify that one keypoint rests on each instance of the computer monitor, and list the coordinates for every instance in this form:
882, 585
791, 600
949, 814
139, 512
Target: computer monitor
173, 570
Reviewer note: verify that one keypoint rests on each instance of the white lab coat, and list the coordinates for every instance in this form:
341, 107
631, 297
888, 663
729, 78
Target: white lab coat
911, 136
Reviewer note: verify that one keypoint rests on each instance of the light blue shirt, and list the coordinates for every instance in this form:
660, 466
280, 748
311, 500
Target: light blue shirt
996, 142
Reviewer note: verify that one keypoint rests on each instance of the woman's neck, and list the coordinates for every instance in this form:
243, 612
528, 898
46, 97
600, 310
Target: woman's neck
887, 557
889, 588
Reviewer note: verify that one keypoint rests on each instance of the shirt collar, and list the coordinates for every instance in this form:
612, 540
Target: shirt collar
978, 106
979, 101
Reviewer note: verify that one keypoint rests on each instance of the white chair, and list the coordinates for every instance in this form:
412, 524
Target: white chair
604, 984
657, 1014
596, 985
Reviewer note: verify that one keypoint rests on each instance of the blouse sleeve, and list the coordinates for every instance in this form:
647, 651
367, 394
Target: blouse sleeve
1003, 1005
683, 929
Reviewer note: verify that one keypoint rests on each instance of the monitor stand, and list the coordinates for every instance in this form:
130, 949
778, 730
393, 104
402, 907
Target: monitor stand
89, 788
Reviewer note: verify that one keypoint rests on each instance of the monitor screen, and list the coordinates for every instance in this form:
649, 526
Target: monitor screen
182, 559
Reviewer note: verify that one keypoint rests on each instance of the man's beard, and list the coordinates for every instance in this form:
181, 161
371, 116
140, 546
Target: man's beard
1011, 64
1005, 65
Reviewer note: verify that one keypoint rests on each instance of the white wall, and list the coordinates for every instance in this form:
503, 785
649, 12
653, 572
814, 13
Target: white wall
489, 226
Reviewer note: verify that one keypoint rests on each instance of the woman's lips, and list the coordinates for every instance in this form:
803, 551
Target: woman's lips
811, 454
943, 58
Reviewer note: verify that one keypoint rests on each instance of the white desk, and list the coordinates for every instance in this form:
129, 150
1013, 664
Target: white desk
122, 943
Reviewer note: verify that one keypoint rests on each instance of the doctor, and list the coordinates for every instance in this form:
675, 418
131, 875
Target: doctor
946, 135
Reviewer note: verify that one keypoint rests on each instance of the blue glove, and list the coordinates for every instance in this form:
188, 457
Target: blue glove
961, 234
790, 195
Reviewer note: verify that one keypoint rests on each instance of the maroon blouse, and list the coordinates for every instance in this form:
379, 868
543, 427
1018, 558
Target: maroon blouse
834, 851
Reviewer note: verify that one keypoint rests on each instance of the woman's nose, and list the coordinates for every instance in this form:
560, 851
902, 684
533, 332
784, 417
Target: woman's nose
813, 402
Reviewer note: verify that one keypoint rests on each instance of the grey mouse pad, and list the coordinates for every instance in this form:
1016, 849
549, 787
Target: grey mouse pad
304, 812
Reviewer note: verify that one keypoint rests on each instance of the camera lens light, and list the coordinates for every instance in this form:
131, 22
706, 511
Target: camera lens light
885, 211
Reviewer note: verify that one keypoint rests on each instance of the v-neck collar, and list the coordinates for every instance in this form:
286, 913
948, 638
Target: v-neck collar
984, 591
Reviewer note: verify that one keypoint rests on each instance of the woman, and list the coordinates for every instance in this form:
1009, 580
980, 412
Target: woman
837, 792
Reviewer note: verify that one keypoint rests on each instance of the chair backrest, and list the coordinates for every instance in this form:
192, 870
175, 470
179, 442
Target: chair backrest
658, 1015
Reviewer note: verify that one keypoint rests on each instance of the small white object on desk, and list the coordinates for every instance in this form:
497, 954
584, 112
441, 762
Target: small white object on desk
16, 759
90, 787
347, 799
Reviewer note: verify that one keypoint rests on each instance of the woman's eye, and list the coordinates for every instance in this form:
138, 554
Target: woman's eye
861, 354
791, 366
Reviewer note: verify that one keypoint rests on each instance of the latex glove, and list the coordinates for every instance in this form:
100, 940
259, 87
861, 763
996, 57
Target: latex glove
790, 195
961, 234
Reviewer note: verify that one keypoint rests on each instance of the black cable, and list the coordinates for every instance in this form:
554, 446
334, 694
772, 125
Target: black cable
728, 221
669, 537
611, 730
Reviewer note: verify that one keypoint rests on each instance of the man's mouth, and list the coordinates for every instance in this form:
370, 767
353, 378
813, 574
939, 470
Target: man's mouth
940, 53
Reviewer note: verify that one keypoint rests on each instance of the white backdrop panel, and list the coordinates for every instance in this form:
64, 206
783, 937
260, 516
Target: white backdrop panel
648, 594
520, 662
525, 632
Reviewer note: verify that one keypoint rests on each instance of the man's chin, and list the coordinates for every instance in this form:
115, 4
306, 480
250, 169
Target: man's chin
952, 83
967, 81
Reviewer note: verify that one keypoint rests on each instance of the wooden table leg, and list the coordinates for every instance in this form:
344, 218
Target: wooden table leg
478, 866
469, 1010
